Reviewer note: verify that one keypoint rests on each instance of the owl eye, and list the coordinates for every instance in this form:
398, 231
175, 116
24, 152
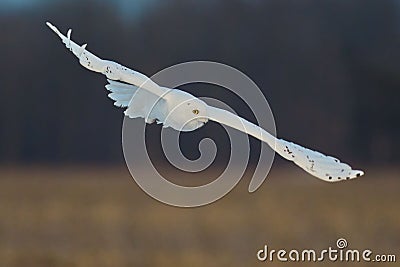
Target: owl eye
195, 111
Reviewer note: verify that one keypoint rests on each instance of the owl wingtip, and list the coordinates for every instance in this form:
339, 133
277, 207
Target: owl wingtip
359, 173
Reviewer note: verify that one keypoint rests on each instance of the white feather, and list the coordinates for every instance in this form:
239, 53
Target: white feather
319, 165
111, 69
174, 108
324, 167
121, 93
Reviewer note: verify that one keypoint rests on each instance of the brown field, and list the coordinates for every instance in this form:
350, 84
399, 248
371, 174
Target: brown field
97, 216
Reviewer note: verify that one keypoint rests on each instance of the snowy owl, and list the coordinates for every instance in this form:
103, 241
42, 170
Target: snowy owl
143, 98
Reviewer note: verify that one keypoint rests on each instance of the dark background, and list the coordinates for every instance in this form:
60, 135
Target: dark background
329, 70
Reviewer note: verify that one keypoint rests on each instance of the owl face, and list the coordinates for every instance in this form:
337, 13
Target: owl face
188, 115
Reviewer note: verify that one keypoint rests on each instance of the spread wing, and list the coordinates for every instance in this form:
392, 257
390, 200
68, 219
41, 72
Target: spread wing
324, 167
112, 70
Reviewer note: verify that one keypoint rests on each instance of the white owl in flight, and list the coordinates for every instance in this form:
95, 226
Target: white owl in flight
184, 112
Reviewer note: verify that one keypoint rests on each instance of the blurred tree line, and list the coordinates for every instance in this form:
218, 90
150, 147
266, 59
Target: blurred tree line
329, 69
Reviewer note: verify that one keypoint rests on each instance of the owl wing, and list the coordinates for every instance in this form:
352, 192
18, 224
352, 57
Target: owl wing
112, 70
324, 167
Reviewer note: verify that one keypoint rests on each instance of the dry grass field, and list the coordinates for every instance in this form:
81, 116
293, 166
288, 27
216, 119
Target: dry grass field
97, 216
